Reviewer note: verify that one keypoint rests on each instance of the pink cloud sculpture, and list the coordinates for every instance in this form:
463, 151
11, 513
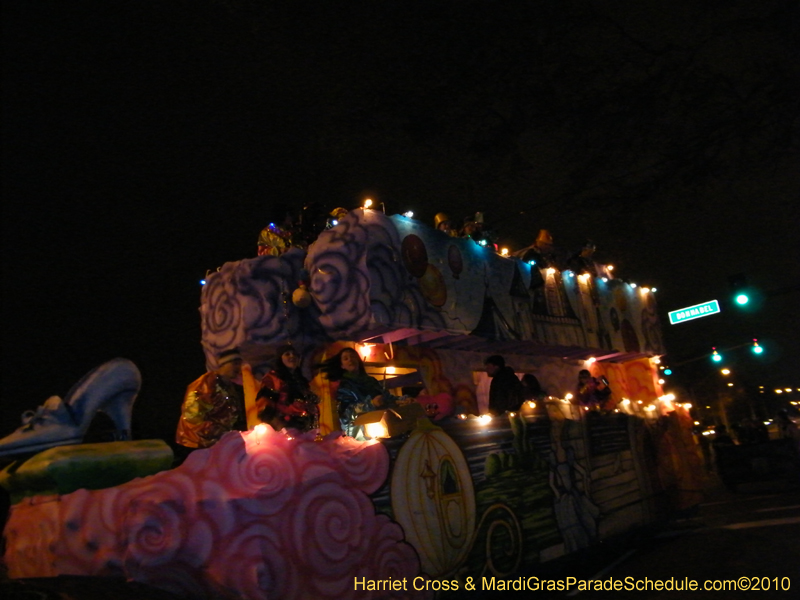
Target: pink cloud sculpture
259, 515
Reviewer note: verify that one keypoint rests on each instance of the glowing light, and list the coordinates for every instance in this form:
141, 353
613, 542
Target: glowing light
503, 251
661, 381
654, 290
512, 414
260, 430
570, 274
568, 397
656, 360
646, 290
610, 267
550, 270
202, 282
334, 222
788, 389
367, 202
532, 263
590, 360
697, 422
531, 404
730, 385
605, 279
485, 419
667, 371
778, 391
390, 370
482, 242
408, 214
726, 371
462, 417
633, 285
638, 402
742, 299
585, 408
366, 350
625, 401
687, 406
756, 348
716, 356
376, 430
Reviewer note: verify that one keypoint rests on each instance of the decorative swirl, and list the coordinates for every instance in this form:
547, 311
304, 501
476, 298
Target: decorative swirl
90, 546
365, 467
262, 477
252, 562
330, 526
391, 556
220, 312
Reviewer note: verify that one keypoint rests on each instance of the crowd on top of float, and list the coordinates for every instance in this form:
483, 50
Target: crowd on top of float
287, 231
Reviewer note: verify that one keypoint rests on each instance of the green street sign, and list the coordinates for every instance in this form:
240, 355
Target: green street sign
694, 312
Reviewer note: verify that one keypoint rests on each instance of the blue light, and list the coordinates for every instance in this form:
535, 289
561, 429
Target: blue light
482, 242
667, 371
334, 222
532, 263
202, 282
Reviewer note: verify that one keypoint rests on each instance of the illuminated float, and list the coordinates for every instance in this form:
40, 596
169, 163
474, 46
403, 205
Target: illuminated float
444, 491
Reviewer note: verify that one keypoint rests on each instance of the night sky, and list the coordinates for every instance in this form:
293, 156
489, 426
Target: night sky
147, 142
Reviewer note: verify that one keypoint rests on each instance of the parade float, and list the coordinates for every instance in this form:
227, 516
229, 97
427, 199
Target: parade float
440, 493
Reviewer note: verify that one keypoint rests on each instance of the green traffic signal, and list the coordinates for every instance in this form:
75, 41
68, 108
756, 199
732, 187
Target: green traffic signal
742, 299
756, 348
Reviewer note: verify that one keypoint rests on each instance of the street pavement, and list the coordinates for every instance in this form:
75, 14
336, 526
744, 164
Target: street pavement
751, 537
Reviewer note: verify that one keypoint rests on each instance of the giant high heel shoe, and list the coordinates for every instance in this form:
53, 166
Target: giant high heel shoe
111, 388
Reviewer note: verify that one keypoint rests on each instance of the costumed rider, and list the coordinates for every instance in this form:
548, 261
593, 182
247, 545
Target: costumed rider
336, 215
213, 405
285, 398
358, 392
276, 238
475, 228
542, 252
442, 223
505, 392
592, 392
582, 262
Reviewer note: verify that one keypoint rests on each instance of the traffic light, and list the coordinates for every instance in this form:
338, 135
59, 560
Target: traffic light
756, 348
716, 356
742, 295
